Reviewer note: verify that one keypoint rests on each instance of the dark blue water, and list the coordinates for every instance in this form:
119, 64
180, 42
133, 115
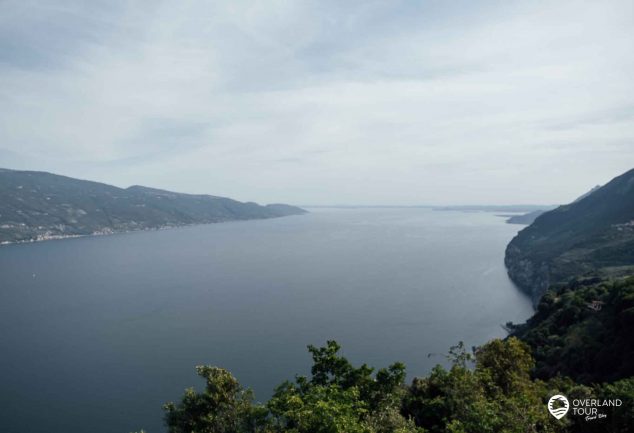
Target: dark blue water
97, 333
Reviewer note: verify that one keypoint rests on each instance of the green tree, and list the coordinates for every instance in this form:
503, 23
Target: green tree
223, 407
621, 418
330, 368
497, 396
317, 409
341, 398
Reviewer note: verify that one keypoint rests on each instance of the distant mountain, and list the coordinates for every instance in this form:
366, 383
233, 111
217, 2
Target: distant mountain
494, 208
592, 235
39, 206
526, 218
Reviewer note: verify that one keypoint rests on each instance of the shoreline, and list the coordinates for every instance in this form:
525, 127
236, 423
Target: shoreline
110, 232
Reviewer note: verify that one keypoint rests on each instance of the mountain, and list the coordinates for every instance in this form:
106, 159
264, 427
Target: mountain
594, 188
493, 208
38, 206
592, 235
528, 218
525, 219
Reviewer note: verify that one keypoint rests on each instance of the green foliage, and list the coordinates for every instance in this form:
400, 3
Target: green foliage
317, 409
622, 417
497, 395
341, 398
223, 407
338, 398
508, 363
331, 369
489, 390
567, 337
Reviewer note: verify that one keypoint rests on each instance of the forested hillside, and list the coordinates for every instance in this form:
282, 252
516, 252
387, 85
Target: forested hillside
584, 330
591, 236
39, 206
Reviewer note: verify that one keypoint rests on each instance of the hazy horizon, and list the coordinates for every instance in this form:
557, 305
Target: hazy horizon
343, 205
315, 103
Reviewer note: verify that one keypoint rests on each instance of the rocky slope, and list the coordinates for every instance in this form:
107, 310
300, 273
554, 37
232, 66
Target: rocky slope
40, 206
593, 235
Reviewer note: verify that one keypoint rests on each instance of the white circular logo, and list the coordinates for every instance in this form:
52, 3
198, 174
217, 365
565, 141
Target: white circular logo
558, 406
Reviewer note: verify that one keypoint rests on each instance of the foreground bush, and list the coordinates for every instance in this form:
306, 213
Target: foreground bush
489, 390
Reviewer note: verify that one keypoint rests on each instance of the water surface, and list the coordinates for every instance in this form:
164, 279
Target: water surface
97, 333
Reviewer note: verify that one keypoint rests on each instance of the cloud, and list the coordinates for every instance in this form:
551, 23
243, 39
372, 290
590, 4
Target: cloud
321, 102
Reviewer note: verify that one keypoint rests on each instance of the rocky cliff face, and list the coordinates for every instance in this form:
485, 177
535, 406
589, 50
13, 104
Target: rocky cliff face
533, 278
594, 235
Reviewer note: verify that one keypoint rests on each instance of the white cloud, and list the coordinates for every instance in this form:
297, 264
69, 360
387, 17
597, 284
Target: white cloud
322, 103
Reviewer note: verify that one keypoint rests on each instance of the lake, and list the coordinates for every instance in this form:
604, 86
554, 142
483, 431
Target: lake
96, 333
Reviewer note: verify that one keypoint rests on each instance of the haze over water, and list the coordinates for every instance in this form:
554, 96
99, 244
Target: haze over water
98, 332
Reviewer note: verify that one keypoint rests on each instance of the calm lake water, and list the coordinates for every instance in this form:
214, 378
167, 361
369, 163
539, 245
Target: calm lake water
97, 333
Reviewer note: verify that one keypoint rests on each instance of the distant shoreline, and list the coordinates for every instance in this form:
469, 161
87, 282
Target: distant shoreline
118, 232
462, 208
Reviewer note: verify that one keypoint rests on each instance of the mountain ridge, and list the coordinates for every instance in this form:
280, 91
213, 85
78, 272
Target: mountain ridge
36, 205
592, 235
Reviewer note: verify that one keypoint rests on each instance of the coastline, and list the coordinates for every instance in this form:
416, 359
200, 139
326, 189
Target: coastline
108, 232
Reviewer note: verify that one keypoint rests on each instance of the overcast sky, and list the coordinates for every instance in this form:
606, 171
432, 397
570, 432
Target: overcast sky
413, 102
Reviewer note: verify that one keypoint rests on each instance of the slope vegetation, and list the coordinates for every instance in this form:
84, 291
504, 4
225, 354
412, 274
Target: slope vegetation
39, 206
593, 235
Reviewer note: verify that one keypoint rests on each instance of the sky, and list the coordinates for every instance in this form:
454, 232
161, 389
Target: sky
324, 102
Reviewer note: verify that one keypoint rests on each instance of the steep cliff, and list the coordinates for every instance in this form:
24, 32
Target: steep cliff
592, 235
